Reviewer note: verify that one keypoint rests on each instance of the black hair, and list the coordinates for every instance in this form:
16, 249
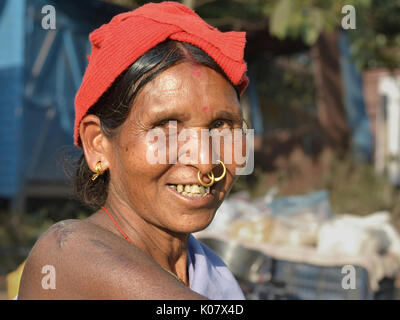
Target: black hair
114, 106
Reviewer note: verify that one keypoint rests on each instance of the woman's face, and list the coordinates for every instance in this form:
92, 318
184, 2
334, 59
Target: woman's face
193, 97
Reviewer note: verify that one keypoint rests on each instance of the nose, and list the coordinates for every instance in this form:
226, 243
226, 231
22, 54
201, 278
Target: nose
206, 174
201, 154
203, 170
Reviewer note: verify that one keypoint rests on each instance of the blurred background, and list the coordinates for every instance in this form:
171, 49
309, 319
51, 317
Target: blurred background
324, 100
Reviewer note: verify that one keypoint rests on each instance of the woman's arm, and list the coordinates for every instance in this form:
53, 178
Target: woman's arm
92, 263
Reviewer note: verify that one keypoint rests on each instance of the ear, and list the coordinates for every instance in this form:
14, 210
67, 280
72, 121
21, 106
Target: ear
95, 144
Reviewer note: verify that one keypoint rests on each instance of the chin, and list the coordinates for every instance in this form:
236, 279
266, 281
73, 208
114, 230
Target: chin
192, 224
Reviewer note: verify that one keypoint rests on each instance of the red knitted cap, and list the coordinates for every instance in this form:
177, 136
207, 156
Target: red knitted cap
119, 43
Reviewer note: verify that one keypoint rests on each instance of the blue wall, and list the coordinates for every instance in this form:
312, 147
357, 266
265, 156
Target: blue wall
37, 108
12, 14
357, 118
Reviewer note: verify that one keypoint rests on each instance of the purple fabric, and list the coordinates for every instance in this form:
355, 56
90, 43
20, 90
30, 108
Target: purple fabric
208, 274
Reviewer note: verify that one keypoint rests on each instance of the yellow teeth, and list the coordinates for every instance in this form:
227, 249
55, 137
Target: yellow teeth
191, 190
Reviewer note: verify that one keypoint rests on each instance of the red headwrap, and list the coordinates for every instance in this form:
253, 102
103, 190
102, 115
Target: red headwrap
119, 43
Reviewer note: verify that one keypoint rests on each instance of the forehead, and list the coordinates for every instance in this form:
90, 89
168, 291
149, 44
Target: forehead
187, 85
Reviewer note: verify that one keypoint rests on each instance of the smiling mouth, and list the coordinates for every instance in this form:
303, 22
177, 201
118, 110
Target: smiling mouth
191, 190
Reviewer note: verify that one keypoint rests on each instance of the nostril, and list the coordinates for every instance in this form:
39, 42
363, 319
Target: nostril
204, 177
218, 170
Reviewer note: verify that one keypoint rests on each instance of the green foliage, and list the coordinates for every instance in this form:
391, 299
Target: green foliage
374, 42
291, 19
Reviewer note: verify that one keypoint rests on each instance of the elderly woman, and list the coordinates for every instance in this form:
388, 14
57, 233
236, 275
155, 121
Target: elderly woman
159, 68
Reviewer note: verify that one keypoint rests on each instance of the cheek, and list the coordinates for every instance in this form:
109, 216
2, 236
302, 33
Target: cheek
131, 168
141, 160
138, 180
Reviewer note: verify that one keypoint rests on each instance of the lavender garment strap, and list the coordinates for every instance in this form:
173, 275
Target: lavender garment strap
208, 274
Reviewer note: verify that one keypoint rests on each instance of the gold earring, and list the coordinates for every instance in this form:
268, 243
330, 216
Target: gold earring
99, 171
223, 173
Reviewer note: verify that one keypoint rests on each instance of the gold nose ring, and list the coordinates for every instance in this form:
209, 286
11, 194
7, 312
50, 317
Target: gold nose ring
211, 176
223, 173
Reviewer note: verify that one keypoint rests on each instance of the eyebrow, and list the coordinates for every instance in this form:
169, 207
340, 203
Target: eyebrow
161, 115
233, 116
221, 114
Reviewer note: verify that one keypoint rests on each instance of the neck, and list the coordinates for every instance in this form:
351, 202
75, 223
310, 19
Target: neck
168, 249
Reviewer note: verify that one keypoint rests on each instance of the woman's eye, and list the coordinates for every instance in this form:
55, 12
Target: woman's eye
167, 123
221, 124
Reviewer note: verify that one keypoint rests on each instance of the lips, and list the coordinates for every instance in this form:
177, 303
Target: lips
191, 190
192, 200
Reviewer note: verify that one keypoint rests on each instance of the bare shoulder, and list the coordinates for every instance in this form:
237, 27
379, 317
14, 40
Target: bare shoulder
76, 259
52, 255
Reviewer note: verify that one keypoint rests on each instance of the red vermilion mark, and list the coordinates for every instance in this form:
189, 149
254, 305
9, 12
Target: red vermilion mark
205, 108
196, 71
